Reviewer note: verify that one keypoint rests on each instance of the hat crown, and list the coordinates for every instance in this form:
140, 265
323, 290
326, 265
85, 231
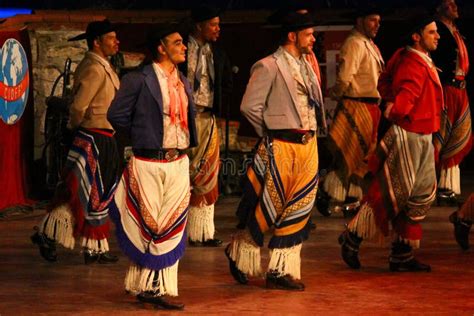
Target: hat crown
204, 13
94, 29
294, 21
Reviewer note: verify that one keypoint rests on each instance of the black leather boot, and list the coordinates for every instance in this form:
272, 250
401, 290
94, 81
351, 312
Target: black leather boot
47, 247
462, 228
107, 257
446, 197
238, 275
285, 282
159, 301
350, 243
322, 203
402, 260
90, 256
350, 207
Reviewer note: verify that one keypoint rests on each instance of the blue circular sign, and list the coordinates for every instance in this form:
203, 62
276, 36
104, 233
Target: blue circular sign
14, 81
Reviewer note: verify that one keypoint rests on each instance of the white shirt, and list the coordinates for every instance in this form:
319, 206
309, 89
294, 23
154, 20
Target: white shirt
174, 136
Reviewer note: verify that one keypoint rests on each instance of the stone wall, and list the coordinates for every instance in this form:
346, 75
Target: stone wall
49, 51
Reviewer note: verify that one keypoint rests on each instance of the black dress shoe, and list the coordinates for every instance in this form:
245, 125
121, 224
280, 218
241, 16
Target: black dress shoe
90, 257
349, 250
47, 247
350, 207
322, 203
411, 265
212, 242
207, 243
311, 224
238, 275
107, 257
461, 230
446, 197
285, 282
159, 301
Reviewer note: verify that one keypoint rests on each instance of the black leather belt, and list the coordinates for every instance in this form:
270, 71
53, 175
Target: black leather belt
363, 99
292, 136
203, 109
460, 84
158, 154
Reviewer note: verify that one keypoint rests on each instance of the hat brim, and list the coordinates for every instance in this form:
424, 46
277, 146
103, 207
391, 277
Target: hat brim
205, 17
79, 37
85, 35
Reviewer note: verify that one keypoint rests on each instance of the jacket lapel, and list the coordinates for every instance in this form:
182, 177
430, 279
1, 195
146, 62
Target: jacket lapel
373, 51
153, 85
107, 67
113, 76
290, 82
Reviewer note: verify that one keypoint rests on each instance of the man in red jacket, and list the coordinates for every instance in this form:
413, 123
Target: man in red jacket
404, 183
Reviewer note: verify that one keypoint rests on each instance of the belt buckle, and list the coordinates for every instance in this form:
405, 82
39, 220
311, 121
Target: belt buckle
171, 154
306, 137
462, 84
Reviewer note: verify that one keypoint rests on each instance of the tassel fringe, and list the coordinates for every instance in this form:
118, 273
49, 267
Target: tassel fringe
333, 186
450, 179
164, 282
246, 254
200, 226
99, 246
364, 226
59, 226
286, 261
355, 191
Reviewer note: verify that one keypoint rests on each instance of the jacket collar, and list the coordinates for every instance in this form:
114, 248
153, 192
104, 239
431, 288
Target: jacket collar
153, 85
285, 72
370, 45
426, 62
106, 64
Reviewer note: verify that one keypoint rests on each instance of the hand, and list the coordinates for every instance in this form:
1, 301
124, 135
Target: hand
388, 108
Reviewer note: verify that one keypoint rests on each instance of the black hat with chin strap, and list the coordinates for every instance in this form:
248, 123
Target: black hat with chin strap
291, 21
94, 29
204, 13
157, 34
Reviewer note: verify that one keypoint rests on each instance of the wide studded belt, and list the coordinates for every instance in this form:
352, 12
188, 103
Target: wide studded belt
158, 154
460, 84
292, 136
363, 99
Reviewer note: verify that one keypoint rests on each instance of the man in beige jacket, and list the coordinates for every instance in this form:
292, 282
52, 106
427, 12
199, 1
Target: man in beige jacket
81, 204
353, 131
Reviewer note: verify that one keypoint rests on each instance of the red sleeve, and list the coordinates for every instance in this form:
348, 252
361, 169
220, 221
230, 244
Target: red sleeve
385, 84
408, 81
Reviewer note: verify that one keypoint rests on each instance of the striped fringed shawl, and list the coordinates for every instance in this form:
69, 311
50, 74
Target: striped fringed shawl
89, 203
279, 192
151, 238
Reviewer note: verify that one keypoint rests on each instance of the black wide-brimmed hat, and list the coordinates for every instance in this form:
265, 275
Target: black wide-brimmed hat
418, 22
204, 12
94, 29
366, 8
291, 21
158, 33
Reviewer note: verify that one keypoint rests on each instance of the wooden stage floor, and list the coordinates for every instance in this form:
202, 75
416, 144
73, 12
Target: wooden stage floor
31, 286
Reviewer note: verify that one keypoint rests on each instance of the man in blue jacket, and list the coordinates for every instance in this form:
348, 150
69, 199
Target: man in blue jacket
150, 207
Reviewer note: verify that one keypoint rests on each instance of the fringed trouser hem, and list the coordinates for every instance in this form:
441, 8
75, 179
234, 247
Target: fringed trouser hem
246, 254
200, 226
161, 282
58, 225
364, 224
286, 261
450, 179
